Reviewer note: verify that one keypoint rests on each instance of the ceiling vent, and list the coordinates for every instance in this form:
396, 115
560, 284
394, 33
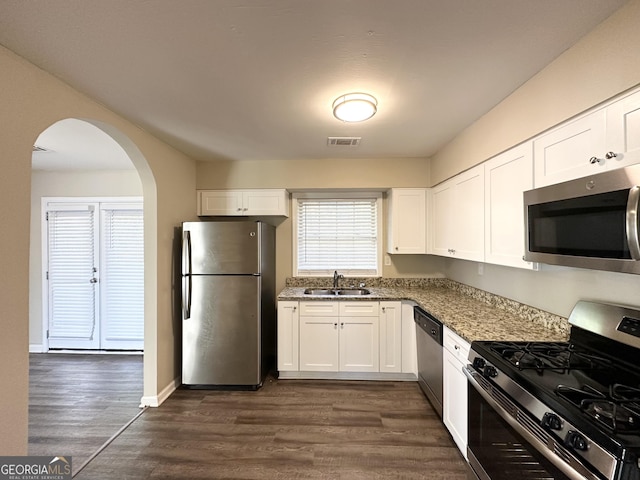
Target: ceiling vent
343, 141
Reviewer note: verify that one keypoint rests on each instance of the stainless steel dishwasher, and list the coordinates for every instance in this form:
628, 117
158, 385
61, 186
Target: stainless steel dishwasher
429, 338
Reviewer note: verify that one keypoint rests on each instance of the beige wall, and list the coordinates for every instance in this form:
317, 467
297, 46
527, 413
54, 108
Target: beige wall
378, 174
31, 101
66, 184
603, 64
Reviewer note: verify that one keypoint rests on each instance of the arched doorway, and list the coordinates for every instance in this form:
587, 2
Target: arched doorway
64, 176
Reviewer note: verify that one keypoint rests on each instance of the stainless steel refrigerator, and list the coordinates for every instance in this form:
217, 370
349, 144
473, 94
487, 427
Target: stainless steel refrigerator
228, 303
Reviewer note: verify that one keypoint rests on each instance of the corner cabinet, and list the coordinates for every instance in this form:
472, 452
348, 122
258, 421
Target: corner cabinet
454, 395
407, 221
345, 340
458, 216
264, 202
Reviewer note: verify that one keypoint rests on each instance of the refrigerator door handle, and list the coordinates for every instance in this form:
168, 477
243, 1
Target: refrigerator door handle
186, 272
186, 297
186, 253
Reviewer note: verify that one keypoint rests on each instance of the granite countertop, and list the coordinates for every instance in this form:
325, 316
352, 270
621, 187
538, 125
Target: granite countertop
472, 316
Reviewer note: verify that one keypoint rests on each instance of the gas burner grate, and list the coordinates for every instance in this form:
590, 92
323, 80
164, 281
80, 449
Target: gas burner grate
618, 409
541, 356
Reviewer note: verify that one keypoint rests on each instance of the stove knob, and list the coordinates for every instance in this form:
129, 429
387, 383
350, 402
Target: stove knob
490, 371
552, 421
479, 363
575, 440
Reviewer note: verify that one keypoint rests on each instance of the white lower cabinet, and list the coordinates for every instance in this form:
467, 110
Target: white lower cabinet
339, 336
454, 395
345, 338
391, 337
288, 328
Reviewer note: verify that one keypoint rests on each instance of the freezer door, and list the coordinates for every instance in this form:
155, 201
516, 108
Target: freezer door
220, 248
221, 339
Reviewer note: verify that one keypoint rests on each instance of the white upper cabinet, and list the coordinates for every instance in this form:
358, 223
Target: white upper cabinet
570, 151
407, 221
458, 216
601, 140
623, 130
506, 177
263, 202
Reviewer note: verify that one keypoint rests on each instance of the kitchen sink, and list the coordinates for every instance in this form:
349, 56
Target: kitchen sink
338, 291
319, 291
352, 291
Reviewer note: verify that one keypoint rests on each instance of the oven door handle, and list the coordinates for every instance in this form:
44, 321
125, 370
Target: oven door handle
575, 470
633, 239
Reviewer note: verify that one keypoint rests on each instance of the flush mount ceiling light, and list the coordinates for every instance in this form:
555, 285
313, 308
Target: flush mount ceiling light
355, 107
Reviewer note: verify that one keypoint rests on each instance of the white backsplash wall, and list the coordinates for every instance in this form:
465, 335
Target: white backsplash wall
553, 289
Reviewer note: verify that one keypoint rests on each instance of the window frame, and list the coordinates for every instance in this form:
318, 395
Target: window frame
338, 195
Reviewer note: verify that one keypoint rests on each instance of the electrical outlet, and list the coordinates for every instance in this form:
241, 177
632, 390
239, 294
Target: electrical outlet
481, 269
387, 260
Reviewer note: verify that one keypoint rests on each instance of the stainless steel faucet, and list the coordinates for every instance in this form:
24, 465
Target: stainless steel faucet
336, 278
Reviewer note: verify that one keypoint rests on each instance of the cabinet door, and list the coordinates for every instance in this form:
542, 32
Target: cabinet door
565, 153
359, 345
219, 202
468, 215
409, 343
390, 336
407, 221
265, 202
454, 395
319, 344
443, 219
454, 400
287, 336
506, 177
623, 131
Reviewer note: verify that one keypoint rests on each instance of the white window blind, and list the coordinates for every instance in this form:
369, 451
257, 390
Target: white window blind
70, 271
337, 234
122, 278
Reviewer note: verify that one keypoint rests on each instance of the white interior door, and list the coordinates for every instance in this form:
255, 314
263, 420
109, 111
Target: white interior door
71, 274
94, 276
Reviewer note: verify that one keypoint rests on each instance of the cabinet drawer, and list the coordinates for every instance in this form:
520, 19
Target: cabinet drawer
319, 309
456, 345
359, 309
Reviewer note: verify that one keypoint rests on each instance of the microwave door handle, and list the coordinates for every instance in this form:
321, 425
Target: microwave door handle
633, 239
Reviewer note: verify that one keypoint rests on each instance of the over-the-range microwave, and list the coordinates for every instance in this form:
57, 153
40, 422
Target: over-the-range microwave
589, 222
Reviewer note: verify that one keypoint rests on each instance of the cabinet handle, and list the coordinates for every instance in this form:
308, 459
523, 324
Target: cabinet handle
383, 309
245, 209
239, 209
594, 160
341, 324
396, 248
294, 308
456, 347
335, 324
610, 155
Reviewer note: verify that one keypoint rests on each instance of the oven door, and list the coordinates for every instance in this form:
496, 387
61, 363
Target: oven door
500, 448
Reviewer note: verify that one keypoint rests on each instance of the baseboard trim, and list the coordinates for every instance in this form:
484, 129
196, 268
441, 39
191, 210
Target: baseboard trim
36, 348
157, 400
377, 376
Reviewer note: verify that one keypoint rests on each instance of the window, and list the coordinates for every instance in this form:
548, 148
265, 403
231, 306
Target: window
337, 232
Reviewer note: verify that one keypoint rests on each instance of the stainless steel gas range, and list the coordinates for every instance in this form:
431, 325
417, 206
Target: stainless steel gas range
569, 410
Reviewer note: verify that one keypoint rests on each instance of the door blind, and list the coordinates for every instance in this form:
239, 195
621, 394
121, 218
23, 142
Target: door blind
337, 234
70, 271
122, 281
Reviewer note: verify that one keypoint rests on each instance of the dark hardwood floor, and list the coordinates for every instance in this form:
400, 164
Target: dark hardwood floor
289, 429
77, 402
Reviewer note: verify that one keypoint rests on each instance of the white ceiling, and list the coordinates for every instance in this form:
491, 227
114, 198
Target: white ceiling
72, 144
255, 79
